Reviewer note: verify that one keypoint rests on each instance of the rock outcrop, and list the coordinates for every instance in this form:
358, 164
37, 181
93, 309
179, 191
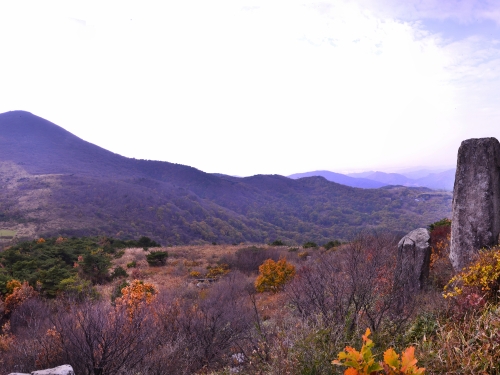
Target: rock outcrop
60, 370
476, 200
414, 255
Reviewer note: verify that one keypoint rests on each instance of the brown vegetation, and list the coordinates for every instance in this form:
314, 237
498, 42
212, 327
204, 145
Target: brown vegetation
186, 318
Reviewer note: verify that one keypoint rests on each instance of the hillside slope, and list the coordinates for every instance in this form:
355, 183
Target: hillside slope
54, 183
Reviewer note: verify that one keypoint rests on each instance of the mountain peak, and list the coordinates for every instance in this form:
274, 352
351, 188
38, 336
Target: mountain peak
44, 147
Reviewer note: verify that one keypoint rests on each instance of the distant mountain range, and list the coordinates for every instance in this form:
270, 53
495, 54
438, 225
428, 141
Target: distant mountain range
343, 179
368, 180
53, 183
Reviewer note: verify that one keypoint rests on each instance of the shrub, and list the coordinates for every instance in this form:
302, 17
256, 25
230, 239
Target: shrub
331, 244
117, 290
363, 362
137, 293
481, 278
217, 271
277, 243
274, 275
443, 222
95, 266
309, 244
19, 293
352, 287
119, 272
157, 258
147, 242
78, 289
132, 264
99, 338
441, 270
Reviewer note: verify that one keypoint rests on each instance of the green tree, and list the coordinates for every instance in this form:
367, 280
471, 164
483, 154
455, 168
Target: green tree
157, 258
95, 266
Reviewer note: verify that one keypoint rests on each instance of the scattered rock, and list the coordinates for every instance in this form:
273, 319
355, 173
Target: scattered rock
476, 200
414, 255
60, 370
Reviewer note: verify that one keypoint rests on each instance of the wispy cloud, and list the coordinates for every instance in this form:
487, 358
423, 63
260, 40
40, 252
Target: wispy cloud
350, 78
463, 11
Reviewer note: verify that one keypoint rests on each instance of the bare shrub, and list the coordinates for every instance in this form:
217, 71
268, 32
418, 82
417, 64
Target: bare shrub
202, 331
99, 339
29, 323
353, 286
29, 317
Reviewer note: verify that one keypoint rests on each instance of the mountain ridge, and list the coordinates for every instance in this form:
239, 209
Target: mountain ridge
443, 180
54, 183
340, 178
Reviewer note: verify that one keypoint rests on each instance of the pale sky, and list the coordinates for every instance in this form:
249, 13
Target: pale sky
248, 87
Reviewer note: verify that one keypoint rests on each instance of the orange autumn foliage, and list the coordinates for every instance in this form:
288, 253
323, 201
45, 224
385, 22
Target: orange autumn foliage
136, 295
50, 348
274, 275
6, 338
363, 362
17, 294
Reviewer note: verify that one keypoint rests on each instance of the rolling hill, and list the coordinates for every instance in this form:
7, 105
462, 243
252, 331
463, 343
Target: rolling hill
54, 183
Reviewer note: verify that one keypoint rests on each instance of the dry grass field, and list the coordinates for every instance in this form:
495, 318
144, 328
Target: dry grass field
184, 261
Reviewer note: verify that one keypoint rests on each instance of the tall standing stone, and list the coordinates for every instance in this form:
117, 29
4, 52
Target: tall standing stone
413, 262
476, 200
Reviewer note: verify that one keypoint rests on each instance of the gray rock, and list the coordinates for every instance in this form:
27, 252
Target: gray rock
60, 370
414, 255
476, 200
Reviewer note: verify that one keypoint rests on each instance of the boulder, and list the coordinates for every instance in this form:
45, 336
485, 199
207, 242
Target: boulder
413, 261
476, 200
60, 370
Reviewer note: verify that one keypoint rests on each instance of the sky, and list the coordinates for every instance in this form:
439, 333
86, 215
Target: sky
259, 87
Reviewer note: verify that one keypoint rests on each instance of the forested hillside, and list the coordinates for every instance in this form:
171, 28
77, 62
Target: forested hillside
54, 183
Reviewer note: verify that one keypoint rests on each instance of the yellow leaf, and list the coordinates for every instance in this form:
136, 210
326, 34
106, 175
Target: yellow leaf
367, 333
391, 358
